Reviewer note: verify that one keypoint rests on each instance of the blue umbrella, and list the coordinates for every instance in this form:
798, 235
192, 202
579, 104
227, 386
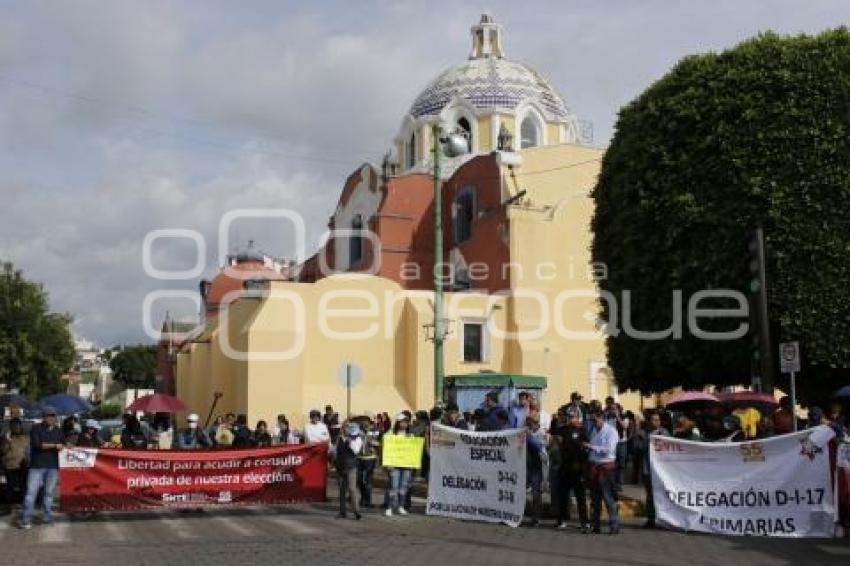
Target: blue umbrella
66, 404
843, 392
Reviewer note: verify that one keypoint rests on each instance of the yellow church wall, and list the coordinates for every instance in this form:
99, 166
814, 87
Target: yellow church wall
553, 133
549, 227
550, 243
485, 140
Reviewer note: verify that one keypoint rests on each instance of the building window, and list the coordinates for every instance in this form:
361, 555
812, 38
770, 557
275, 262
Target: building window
463, 126
355, 241
411, 151
529, 132
464, 214
473, 342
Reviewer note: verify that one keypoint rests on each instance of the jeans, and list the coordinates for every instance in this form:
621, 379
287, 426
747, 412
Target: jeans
399, 484
602, 487
535, 481
36, 478
365, 475
348, 490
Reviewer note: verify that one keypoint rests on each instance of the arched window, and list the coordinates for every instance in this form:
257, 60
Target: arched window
411, 151
464, 214
463, 126
529, 133
355, 242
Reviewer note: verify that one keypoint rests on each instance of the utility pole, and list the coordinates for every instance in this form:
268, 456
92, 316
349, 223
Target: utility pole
758, 287
439, 334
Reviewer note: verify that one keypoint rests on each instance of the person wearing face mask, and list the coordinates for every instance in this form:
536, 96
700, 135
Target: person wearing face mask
193, 437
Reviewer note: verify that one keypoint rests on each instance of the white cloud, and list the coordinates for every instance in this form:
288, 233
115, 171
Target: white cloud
117, 118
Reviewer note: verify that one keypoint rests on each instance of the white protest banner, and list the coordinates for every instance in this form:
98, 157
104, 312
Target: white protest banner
778, 486
479, 476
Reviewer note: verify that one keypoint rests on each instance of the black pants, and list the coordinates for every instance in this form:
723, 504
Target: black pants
572, 480
365, 475
16, 486
650, 500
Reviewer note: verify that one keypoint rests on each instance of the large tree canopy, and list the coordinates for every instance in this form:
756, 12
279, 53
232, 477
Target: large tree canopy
36, 347
758, 135
134, 366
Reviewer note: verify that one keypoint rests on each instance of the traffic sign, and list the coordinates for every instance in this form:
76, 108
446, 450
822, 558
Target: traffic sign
789, 357
349, 375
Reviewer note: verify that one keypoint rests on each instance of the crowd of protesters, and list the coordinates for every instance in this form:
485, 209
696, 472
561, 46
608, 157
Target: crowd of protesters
584, 451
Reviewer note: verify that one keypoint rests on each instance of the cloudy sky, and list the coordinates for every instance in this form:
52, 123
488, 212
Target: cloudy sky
122, 117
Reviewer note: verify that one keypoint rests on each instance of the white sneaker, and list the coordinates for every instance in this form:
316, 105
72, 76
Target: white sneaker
402, 511
388, 512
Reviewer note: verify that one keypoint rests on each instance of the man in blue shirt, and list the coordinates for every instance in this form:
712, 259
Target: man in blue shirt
603, 471
46, 440
519, 412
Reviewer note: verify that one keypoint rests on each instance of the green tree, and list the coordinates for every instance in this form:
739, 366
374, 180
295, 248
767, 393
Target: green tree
36, 346
754, 136
134, 366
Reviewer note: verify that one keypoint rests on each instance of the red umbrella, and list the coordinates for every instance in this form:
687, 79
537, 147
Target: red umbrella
157, 403
692, 398
761, 401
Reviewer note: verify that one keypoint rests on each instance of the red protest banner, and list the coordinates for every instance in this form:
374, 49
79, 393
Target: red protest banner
104, 479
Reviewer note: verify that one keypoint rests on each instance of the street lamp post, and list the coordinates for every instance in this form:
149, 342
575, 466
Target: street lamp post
454, 144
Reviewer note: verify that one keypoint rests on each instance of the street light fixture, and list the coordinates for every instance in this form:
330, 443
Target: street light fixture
453, 144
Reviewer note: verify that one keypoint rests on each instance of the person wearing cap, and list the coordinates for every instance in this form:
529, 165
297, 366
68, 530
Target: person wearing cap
46, 441
193, 437
572, 437
90, 436
400, 478
316, 431
348, 445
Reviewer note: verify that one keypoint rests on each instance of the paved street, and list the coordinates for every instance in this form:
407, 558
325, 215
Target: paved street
311, 535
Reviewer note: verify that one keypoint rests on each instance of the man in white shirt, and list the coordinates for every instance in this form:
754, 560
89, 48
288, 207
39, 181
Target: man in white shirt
316, 431
603, 470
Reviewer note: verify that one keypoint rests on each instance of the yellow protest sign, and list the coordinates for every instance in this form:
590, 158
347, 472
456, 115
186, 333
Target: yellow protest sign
402, 451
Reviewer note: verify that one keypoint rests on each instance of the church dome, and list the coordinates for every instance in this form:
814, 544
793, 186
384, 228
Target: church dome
488, 81
491, 84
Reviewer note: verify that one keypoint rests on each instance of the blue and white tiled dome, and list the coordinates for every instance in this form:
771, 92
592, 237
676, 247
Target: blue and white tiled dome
491, 84
488, 81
